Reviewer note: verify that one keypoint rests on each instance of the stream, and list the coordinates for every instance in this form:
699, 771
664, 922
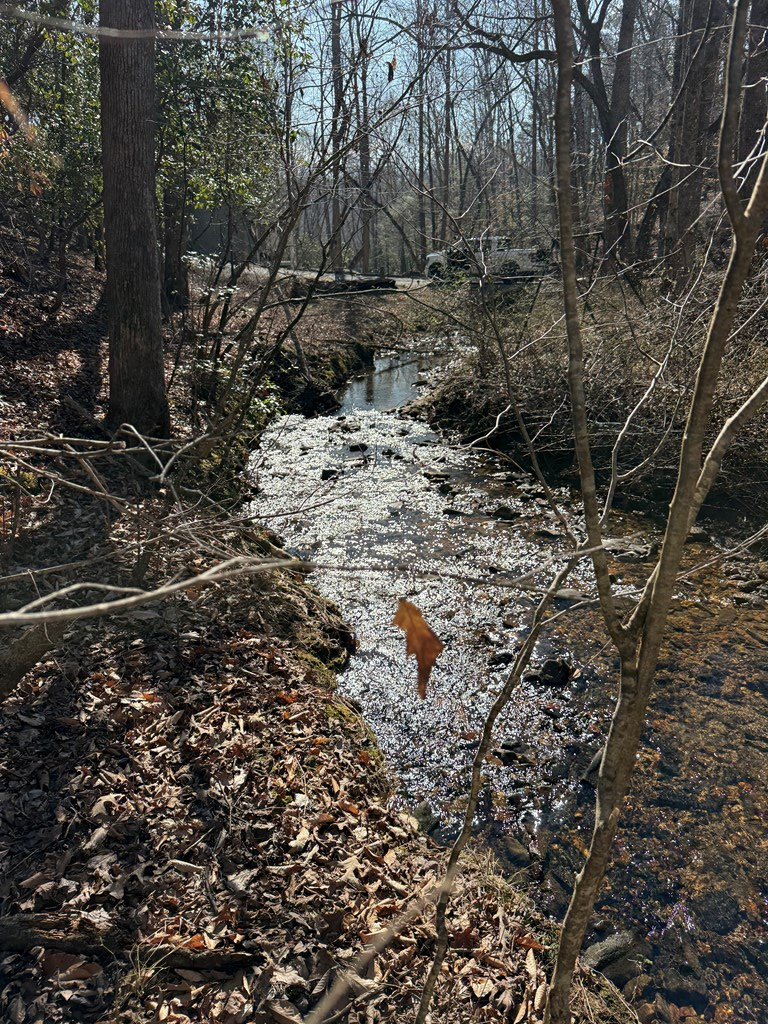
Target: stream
386, 508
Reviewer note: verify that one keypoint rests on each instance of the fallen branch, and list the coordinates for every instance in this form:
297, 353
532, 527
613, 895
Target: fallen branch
21, 932
224, 571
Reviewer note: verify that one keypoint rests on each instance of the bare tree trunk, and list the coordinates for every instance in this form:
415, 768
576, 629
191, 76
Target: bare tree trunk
690, 148
364, 150
754, 113
612, 116
446, 175
618, 233
337, 131
128, 113
421, 204
288, 146
535, 130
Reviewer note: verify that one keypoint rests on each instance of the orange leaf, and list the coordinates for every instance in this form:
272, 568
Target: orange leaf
527, 942
419, 640
349, 807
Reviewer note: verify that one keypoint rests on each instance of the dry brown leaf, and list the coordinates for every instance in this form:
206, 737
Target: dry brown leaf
540, 999
283, 1012
522, 1012
34, 881
527, 942
482, 987
55, 962
419, 640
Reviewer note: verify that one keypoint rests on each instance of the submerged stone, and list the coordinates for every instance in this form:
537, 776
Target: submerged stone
555, 672
505, 514
516, 855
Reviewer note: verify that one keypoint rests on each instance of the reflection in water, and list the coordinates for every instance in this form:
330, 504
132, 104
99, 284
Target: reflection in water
388, 384
404, 514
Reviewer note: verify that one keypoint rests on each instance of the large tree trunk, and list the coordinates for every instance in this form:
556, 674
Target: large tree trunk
612, 116
617, 228
128, 112
691, 147
337, 134
754, 111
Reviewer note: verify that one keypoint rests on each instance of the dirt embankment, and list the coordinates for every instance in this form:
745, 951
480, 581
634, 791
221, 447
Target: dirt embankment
510, 365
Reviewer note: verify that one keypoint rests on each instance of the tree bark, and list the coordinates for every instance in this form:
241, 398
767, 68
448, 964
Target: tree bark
612, 117
754, 112
128, 112
691, 145
337, 134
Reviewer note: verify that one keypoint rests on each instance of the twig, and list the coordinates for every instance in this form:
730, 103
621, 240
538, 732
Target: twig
239, 566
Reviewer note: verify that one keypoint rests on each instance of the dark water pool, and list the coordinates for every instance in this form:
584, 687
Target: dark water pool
386, 385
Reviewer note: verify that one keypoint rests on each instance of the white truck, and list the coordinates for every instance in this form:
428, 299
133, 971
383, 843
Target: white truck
491, 256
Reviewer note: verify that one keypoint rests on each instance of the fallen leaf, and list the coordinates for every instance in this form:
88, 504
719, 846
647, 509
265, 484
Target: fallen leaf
301, 839
419, 640
283, 1012
55, 962
540, 999
466, 938
34, 881
527, 942
522, 1012
101, 808
288, 976
482, 988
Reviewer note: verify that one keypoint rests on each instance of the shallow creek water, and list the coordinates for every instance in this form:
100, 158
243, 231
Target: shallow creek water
387, 509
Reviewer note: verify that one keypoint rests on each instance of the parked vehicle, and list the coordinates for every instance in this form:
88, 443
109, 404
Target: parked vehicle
492, 256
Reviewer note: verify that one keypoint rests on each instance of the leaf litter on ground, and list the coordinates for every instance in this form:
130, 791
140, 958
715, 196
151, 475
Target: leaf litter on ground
193, 834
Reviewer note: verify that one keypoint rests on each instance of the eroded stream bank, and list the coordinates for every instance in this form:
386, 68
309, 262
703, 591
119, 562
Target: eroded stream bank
387, 508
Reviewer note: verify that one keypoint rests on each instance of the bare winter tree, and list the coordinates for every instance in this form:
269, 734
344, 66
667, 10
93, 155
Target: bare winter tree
128, 112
